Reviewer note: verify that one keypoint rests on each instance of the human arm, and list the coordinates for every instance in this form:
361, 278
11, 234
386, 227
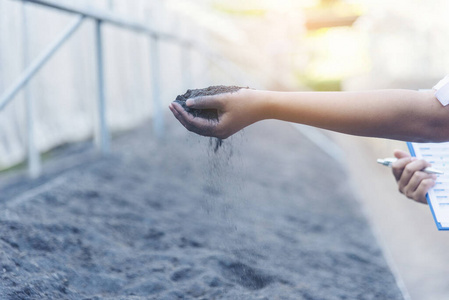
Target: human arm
411, 180
395, 114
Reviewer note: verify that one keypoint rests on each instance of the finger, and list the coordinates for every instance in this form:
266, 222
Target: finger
409, 171
421, 191
188, 118
183, 117
206, 102
415, 182
400, 154
399, 165
182, 112
202, 126
178, 115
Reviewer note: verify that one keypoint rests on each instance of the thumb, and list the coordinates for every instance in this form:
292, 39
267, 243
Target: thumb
204, 102
400, 154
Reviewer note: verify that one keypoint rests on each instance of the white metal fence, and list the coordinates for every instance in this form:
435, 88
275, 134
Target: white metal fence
85, 70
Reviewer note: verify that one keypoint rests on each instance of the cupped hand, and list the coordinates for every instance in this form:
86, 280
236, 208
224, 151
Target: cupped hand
412, 181
235, 111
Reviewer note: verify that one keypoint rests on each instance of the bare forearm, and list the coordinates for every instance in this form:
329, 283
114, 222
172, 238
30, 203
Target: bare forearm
396, 114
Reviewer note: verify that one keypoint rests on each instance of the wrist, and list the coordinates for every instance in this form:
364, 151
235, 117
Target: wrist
259, 104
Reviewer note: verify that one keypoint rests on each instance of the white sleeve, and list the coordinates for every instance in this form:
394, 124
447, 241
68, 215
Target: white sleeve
442, 90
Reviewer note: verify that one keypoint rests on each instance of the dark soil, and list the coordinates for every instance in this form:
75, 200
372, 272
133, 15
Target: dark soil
264, 218
210, 114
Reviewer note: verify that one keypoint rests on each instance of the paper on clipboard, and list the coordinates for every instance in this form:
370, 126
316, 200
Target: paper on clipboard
437, 197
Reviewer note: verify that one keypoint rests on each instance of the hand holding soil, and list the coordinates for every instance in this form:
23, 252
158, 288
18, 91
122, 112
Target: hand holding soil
397, 114
218, 111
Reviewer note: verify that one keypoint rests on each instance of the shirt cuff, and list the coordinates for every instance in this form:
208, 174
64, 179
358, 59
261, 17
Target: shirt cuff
442, 90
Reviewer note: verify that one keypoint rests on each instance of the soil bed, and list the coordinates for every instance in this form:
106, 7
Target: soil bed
172, 220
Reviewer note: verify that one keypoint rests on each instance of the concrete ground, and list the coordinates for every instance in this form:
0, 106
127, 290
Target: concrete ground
415, 248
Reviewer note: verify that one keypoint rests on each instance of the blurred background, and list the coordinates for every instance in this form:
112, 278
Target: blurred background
281, 45
271, 44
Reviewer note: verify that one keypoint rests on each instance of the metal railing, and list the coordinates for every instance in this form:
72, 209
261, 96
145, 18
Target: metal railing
102, 135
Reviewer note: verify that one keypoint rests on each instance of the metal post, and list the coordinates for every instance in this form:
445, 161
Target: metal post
186, 65
34, 159
37, 64
158, 116
102, 137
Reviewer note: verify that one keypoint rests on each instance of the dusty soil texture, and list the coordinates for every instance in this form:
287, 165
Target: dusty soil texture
268, 216
209, 91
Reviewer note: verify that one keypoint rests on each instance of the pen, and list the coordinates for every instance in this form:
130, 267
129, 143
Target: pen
389, 163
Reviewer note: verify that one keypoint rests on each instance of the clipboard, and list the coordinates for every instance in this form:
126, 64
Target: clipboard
437, 197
